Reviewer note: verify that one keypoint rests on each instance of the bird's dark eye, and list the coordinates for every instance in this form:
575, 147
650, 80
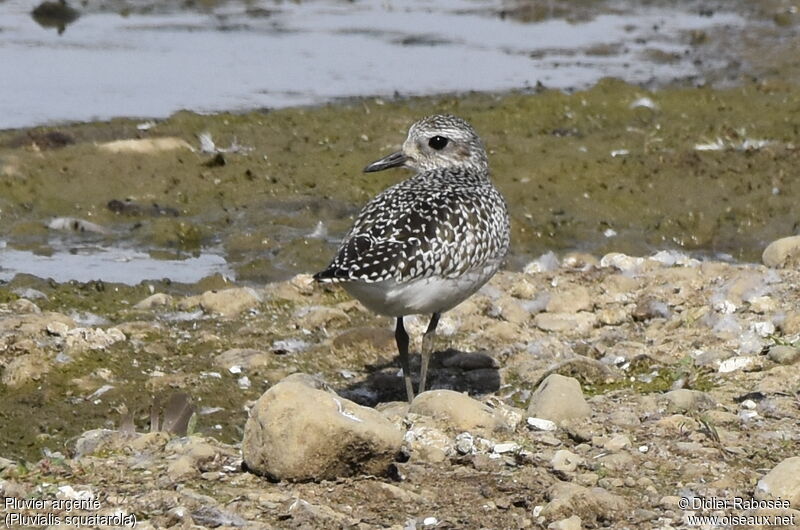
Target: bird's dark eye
438, 142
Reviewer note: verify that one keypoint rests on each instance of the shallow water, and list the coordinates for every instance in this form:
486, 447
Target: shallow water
152, 60
110, 264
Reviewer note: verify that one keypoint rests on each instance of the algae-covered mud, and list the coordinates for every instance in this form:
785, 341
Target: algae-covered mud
612, 168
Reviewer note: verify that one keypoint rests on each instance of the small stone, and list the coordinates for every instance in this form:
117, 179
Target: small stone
684, 400
155, 300
791, 323
571, 300
782, 253
510, 310
573, 323
558, 398
580, 261
303, 283
541, 424
91, 441
648, 309
621, 261
735, 363
617, 443
246, 358
565, 461
613, 316
181, 468
784, 354
587, 479
59, 329
571, 523
464, 443
321, 317
226, 303
507, 447
22, 305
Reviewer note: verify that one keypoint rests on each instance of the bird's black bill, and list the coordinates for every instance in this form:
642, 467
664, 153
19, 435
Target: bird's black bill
394, 160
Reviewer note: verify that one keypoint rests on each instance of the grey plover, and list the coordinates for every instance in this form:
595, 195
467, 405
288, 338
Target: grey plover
426, 244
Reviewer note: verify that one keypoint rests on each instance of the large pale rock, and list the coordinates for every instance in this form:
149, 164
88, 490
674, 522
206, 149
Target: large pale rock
297, 432
557, 399
457, 411
781, 253
783, 482
226, 303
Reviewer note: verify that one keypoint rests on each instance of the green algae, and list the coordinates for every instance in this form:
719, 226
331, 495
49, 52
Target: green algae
552, 154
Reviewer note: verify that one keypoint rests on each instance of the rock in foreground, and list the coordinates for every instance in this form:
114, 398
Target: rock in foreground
296, 432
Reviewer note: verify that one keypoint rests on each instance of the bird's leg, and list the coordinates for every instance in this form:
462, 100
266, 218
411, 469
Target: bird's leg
427, 349
401, 337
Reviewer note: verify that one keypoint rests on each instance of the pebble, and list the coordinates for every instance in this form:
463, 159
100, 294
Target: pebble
735, 363
684, 400
571, 323
226, 303
456, 411
464, 443
781, 253
557, 399
784, 354
565, 461
243, 358
155, 300
570, 300
541, 424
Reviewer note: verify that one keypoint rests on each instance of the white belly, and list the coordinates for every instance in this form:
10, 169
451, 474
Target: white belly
423, 296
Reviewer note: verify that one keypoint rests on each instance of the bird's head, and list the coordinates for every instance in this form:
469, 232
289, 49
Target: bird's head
434, 142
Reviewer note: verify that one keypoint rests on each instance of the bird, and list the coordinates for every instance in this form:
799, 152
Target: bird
427, 243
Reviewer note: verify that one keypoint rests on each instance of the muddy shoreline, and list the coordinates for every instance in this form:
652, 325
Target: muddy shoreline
613, 168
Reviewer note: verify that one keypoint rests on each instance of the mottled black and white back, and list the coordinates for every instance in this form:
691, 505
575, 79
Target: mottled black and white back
444, 222
428, 243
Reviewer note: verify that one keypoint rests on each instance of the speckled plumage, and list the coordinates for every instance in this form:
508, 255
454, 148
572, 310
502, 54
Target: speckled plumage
443, 222
428, 243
